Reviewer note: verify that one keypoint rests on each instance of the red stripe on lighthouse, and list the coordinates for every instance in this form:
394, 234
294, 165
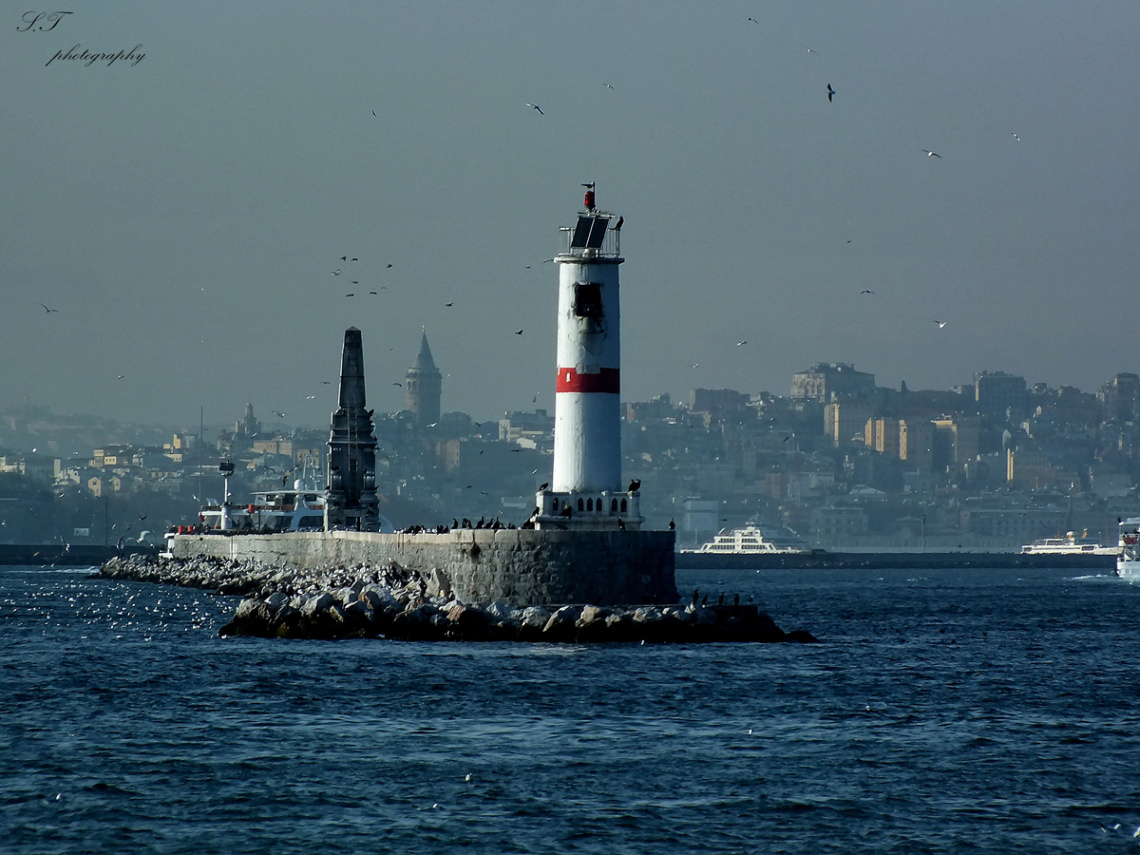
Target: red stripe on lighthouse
607, 380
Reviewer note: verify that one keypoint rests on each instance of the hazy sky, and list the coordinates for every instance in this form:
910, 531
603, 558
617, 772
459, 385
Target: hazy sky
184, 213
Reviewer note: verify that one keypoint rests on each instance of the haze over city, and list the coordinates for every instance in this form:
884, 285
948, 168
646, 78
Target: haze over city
923, 191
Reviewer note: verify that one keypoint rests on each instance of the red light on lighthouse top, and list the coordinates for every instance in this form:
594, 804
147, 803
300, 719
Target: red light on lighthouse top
589, 196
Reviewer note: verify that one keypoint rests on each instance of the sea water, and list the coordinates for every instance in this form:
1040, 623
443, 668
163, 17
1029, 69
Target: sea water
943, 711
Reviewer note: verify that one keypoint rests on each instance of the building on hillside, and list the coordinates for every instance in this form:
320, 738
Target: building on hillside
845, 422
829, 381
995, 392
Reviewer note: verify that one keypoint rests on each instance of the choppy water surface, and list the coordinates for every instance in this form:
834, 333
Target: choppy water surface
980, 711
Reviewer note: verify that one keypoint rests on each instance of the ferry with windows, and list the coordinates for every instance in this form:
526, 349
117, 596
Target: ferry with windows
1070, 544
745, 541
1128, 558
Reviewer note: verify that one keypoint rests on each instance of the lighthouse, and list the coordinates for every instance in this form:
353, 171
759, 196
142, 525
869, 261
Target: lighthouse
587, 490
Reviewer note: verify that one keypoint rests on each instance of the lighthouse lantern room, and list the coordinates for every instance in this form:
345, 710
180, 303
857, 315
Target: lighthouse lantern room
587, 491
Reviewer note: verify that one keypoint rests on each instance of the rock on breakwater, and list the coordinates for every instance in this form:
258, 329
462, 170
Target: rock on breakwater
393, 602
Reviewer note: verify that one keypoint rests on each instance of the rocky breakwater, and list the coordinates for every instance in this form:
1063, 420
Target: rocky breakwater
395, 603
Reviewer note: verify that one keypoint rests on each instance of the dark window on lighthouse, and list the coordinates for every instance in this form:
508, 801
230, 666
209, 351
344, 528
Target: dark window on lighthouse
588, 300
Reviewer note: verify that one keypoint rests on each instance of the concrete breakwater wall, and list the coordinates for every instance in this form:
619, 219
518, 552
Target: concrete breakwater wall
392, 602
517, 566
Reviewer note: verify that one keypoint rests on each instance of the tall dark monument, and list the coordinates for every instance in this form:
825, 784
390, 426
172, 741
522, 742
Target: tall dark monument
351, 501
424, 385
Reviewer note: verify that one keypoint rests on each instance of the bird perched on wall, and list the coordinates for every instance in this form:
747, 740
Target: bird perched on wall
634, 485
618, 224
542, 487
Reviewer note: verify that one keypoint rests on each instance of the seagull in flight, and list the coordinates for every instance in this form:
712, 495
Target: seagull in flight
866, 291
739, 343
518, 332
49, 311
1015, 136
930, 153
279, 415
941, 324
607, 86
830, 93
535, 107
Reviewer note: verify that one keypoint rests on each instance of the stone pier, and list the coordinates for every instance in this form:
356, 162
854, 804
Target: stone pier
518, 566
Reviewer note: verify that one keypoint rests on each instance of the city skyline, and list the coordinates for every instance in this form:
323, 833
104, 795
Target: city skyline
174, 223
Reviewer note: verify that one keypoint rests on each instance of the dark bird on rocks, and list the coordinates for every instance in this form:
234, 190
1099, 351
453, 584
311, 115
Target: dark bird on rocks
830, 93
49, 311
634, 485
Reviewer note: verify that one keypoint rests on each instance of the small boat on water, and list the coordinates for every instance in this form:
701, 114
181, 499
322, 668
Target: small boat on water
745, 541
1128, 557
1070, 544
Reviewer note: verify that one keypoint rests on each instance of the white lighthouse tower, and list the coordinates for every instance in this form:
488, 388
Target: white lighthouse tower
587, 490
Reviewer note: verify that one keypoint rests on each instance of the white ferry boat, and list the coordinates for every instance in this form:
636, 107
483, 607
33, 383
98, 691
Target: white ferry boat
1128, 558
297, 509
1070, 544
745, 541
